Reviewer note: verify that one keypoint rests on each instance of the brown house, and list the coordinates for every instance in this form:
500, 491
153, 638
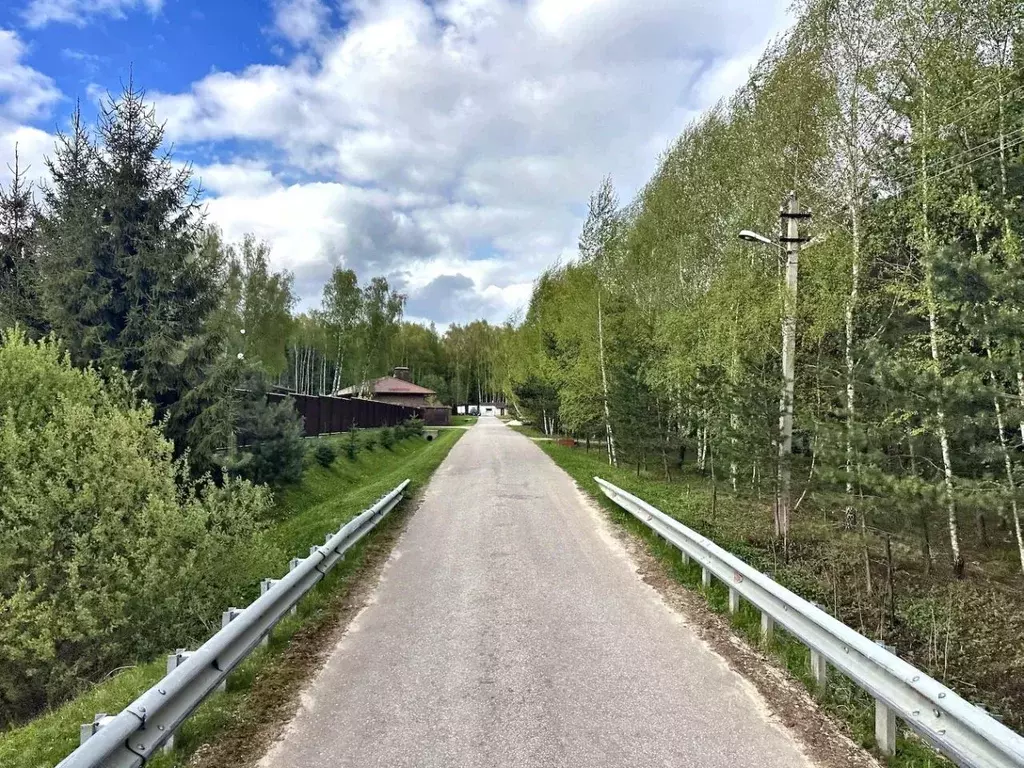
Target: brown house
397, 389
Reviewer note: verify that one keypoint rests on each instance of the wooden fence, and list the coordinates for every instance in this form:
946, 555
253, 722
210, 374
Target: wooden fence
324, 415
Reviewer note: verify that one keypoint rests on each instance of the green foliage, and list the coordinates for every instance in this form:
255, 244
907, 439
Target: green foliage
119, 273
125, 275
664, 333
255, 315
306, 511
96, 518
269, 446
387, 438
19, 302
351, 445
325, 453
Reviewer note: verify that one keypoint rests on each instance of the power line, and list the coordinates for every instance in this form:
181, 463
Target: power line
969, 150
969, 163
973, 94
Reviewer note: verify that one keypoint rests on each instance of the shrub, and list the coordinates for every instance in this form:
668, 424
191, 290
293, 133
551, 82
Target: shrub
387, 438
109, 552
414, 427
269, 445
325, 453
351, 445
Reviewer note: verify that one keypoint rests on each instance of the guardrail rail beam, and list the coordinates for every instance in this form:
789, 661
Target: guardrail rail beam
957, 728
132, 737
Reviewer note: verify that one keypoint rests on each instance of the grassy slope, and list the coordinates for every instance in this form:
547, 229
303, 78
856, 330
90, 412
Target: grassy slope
982, 659
529, 430
463, 421
324, 500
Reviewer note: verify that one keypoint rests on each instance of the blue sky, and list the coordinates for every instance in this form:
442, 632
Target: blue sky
450, 145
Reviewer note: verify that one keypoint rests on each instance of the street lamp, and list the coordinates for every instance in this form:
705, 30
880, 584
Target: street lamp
754, 237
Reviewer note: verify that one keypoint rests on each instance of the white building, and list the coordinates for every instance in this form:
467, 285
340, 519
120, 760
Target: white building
484, 409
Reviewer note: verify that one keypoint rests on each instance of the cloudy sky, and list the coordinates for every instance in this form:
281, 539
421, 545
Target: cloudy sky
450, 145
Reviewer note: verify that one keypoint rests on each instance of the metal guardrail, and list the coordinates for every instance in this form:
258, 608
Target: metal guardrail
144, 726
960, 730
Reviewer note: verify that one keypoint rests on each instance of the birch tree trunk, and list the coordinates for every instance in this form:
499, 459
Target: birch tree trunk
1010, 483
612, 459
851, 305
933, 337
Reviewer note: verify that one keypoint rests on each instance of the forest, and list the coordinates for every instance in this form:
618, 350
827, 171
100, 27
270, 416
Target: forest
889, 478
899, 127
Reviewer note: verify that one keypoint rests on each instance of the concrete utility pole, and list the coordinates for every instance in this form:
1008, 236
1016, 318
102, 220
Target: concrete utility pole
791, 216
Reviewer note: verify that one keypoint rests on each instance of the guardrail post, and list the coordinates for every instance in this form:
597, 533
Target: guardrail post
705, 577
819, 669
767, 628
734, 600
265, 585
885, 728
685, 557
174, 660
292, 565
225, 618
88, 730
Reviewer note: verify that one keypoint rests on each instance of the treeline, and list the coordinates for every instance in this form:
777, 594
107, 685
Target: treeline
358, 334
113, 257
900, 126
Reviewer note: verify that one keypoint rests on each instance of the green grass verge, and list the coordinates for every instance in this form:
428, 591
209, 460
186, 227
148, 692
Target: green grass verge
325, 499
688, 500
528, 429
463, 421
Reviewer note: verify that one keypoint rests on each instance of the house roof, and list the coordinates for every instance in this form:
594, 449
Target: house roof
388, 385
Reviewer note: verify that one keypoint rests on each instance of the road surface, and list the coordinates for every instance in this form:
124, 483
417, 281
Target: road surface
510, 629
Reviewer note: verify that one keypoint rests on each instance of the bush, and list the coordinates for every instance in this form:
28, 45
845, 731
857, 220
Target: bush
109, 552
325, 453
351, 445
387, 438
269, 445
413, 427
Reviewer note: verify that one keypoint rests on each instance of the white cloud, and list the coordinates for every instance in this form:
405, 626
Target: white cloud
301, 21
39, 13
25, 95
459, 138
32, 146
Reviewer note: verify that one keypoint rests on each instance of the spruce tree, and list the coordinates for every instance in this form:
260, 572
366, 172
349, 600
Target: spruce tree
18, 269
124, 280
71, 289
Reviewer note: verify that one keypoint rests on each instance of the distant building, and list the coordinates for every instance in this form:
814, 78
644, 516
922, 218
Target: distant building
484, 409
397, 389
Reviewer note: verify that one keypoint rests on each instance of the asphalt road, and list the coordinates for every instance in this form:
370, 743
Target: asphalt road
510, 629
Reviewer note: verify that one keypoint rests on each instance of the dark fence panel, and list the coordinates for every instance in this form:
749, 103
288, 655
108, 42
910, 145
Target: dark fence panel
331, 415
